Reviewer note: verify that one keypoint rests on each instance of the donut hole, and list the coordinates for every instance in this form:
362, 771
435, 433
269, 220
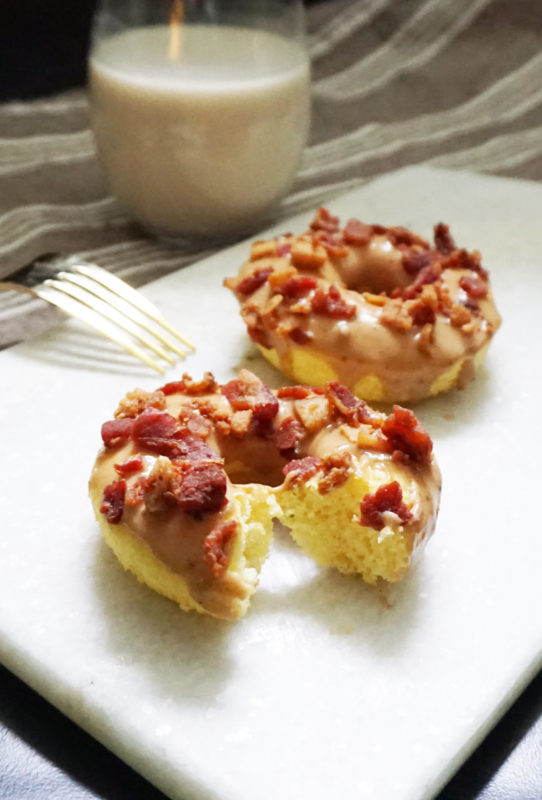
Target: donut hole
252, 461
376, 267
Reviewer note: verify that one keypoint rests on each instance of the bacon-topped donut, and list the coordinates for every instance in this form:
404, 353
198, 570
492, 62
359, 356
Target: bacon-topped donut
378, 309
190, 477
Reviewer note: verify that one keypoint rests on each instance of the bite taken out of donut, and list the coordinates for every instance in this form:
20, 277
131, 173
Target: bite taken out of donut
376, 308
190, 477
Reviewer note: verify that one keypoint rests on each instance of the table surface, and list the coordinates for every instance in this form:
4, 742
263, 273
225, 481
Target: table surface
456, 85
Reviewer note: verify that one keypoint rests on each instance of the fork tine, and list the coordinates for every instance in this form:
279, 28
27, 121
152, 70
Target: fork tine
110, 313
119, 287
121, 305
82, 312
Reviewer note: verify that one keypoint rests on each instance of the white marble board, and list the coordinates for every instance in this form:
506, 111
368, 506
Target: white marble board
323, 689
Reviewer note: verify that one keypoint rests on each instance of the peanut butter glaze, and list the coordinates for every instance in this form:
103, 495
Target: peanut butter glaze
253, 455
404, 333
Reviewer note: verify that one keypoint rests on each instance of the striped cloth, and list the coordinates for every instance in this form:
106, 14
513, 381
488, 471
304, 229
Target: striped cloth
453, 83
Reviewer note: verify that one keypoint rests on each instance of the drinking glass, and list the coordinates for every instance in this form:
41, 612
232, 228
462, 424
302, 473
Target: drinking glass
200, 110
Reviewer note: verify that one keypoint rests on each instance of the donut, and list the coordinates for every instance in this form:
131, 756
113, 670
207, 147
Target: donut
376, 308
190, 477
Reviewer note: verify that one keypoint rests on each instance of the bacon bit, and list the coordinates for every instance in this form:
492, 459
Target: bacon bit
116, 431
462, 259
427, 275
240, 422
333, 242
206, 385
370, 438
459, 315
395, 313
128, 467
297, 286
273, 303
135, 492
287, 436
313, 411
112, 505
278, 276
299, 470
253, 281
473, 286
331, 304
407, 436
160, 433
415, 260
284, 246
399, 235
443, 239
337, 470
375, 299
137, 401
195, 422
357, 233
258, 336
263, 249
202, 488
173, 387
356, 411
299, 336
422, 314
308, 254
216, 546
325, 221
388, 497
297, 392
249, 392
425, 338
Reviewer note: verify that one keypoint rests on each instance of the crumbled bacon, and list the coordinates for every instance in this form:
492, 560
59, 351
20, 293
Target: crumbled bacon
415, 260
308, 253
459, 315
357, 233
202, 488
300, 470
287, 436
300, 336
463, 259
333, 242
351, 407
474, 286
258, 336
173, 387
427, 275
195, 421
407, 436
117, 431
128, 467
251, 282
135, 492
422, 314
396, 315
249, 392
137, 401
388, 497
332, 304
284, 247
112, 505
262, 249
161, 434
337, 470
313, 411
216, 546
443, 239
206, 384
399, 235
296, 286
297, 392
325, 221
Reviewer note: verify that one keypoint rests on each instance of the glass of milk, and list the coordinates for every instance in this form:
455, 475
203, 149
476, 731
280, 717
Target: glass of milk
200, 111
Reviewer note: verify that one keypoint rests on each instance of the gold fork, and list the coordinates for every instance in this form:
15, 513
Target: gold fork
104, 302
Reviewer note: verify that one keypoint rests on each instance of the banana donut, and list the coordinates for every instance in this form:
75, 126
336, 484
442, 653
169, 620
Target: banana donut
377, 309
191, 476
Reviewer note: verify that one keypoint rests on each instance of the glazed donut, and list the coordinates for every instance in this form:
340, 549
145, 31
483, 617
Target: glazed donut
377, 309
191, 476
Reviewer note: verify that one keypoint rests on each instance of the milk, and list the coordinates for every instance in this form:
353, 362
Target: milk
203, 145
